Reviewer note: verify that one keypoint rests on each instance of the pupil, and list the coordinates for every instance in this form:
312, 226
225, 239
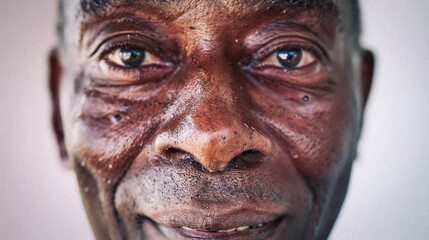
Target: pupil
118, 117
131, 57
289, 58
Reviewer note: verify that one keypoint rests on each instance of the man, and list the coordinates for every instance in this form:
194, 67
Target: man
210, 119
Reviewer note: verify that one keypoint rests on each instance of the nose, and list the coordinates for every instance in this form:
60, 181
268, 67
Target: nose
234, 146
216, 135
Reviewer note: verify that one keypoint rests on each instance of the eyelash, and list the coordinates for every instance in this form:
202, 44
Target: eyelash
251, 64
114, 46
110, 48
294, 45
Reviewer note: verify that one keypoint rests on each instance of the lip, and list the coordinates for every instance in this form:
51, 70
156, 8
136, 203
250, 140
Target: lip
234, 224
244, 232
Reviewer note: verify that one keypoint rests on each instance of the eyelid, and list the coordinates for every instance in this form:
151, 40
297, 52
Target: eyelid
124, 40
149, 57
112, 73
290, 42
111, 48
307, 59
112, 44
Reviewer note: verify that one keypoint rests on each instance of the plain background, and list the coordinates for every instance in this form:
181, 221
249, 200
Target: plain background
389, 190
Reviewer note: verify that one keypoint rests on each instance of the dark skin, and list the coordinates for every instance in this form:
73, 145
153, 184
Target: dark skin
216, 120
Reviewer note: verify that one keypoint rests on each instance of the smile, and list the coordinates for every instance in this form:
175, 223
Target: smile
242, 228
241, 232
217, 231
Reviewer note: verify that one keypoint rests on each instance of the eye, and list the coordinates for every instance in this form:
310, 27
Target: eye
131, 57
289, 58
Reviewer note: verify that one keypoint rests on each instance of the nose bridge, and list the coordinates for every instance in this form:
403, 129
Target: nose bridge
218, 107
216, 129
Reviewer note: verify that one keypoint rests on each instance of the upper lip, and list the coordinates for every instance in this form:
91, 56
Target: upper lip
222, 219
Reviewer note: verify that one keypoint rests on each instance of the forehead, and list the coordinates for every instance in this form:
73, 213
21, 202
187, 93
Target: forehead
176, 8
172, 9
84, 14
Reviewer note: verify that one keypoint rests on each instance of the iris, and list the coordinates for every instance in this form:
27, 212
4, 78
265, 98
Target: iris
131, 57
289, 58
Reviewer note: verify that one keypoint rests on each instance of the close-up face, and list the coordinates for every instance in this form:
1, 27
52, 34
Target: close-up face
210, 119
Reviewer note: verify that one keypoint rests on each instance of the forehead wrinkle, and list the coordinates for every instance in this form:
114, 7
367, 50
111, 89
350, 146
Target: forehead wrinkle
288, 5
91, 8
97, 7
97, 10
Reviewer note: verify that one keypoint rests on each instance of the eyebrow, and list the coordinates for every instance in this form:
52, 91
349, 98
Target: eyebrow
98, 7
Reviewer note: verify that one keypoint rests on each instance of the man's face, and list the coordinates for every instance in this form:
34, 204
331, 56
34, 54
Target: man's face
209, 119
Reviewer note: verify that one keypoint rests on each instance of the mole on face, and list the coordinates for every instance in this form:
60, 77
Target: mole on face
305, 98
225, 120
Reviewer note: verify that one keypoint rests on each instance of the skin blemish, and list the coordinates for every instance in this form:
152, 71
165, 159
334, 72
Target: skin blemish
295, 155
305, 98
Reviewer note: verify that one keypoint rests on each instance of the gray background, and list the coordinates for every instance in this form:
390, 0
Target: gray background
389, 190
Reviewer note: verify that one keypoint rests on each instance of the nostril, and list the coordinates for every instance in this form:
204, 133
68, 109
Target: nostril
247, 159
175, 154
195, 164
178, 156
174, 150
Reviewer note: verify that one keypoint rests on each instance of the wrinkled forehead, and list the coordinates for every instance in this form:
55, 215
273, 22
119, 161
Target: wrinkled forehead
175, 8
78, 14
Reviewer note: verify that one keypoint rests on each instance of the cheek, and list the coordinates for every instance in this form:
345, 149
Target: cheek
104, 153
314, 136
106, 127
108, 134
318, 147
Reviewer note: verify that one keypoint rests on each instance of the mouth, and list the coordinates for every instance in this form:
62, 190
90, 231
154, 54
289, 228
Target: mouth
226, 229
245, 232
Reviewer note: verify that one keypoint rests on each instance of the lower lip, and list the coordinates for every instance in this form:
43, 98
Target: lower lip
263, 232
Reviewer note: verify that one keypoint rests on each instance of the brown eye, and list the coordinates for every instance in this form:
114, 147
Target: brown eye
289, 59
131, 57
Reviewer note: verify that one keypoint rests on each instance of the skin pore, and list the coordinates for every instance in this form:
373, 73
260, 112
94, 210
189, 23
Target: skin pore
209, 119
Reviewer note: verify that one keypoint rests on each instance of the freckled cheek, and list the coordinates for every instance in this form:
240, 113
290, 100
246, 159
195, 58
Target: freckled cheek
317, 157
293, 95
321, 145
287, 93
108, 133
106, 145
313, 140
100, 152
